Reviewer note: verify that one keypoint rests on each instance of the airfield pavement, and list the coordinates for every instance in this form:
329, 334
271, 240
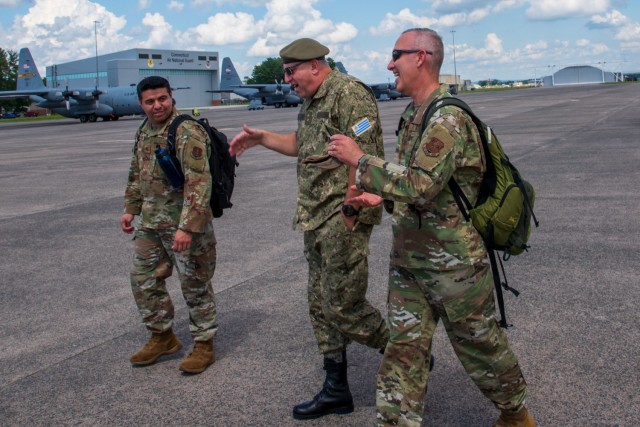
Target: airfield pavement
69, 323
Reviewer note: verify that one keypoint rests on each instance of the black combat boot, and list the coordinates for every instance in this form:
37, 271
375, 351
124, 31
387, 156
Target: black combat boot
334, 398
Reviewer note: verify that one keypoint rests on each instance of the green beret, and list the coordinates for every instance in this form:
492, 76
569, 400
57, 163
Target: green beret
303, 50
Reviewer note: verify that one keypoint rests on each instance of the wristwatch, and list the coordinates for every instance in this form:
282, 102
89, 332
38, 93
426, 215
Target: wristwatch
349, 210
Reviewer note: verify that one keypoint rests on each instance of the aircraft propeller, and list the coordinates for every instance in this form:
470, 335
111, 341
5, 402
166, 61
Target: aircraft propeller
96, 96
66, 94
278, 87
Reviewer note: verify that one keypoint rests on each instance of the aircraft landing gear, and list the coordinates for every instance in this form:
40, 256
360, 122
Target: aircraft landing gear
93, 118
84, 118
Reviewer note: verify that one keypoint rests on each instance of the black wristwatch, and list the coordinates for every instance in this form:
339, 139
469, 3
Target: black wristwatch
349, 210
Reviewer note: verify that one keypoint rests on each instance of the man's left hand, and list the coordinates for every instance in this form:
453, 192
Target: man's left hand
345, 149
181, 241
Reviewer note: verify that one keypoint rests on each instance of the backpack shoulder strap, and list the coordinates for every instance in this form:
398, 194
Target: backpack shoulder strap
173, 128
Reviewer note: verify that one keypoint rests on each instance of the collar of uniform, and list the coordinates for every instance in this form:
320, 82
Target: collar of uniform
418, 110
151, 131
327, 84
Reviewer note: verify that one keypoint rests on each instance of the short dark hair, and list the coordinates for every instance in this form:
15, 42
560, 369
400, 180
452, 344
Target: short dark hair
152, 82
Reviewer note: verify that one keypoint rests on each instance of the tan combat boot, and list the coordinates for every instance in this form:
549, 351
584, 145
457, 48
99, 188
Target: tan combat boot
159, 344
521, 418
200, 357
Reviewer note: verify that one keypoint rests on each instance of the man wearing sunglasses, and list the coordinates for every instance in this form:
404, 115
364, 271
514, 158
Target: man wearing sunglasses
439, 268
336, 235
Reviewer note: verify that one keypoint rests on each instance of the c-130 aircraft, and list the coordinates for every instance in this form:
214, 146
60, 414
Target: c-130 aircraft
86, 104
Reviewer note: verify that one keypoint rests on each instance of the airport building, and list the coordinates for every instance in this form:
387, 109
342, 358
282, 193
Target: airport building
192, 74
581, 74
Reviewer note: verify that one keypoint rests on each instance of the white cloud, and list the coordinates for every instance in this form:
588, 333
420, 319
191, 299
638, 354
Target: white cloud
627, 29
609, 20
452, 6
11, 3
143, 4
286, 20
478, 15
161, 33
401, 21
224, 28
62, 30
175, 5
554, 9
507, 4
630, 32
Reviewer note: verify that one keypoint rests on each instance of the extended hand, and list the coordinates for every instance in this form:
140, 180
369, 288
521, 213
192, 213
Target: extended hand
367, 200
345, 149
246, 139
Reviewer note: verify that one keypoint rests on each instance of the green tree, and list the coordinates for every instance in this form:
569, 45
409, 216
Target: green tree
270, 70
8, 78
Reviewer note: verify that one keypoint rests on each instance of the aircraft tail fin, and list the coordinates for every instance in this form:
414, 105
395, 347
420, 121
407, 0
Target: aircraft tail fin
28, 75
229, 76
341, 68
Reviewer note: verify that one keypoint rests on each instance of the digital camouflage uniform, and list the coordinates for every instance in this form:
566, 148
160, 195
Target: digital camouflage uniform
439, 268
162, 212
337, 257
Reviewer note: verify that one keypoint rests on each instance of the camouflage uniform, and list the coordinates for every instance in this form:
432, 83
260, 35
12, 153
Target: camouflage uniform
439, 268
338, 269
163, 212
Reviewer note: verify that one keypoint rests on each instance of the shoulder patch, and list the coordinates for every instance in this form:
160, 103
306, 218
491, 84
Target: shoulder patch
362, 126
196, 153
433, 146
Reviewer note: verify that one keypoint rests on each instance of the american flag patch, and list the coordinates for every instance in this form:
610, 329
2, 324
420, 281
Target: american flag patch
361, 127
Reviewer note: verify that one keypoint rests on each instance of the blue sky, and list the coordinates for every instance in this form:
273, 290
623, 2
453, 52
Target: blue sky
503, 39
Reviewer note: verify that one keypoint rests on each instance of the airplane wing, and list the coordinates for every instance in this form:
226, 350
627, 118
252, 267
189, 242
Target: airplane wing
22, 93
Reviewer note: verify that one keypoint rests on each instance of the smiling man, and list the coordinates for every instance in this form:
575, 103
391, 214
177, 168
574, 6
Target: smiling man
439, 268
336, 235
175, 230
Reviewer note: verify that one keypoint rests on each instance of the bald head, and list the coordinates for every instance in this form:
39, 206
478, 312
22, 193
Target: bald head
427, 39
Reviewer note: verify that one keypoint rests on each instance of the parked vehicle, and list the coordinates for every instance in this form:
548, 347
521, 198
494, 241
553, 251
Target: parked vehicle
9, 115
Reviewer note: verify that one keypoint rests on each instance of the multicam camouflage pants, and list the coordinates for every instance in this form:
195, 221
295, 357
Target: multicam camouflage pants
418, 299
152, 265
338, 280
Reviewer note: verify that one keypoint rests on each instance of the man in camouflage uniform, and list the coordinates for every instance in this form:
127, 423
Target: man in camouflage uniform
336, 237
439, 268
175, 229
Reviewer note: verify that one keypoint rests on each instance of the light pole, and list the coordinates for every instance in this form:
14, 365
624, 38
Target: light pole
602, 69
455, 71
95, 32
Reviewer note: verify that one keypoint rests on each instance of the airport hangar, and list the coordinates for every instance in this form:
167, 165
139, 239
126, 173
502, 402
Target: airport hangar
581, 74
192, 74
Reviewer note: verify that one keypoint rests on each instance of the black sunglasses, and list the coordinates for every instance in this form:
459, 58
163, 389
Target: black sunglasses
292, 69
397, 53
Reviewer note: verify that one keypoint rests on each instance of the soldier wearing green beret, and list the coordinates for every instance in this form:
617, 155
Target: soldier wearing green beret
336, 236
175, 229
439, 268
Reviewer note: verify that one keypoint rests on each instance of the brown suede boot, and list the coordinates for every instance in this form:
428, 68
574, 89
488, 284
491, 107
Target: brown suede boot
521, 418
200, 357
159, 344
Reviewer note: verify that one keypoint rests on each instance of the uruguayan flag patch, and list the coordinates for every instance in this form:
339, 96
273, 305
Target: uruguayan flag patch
361, 127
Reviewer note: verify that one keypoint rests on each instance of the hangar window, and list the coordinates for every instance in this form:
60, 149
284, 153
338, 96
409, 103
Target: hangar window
156, 56
143, 56
213, 58
202, 58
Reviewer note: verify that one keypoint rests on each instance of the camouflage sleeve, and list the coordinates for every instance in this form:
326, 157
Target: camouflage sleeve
132, 196
193, 149
359, 120
432, 164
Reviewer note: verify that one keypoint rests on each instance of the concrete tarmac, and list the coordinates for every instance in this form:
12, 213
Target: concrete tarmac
69, 323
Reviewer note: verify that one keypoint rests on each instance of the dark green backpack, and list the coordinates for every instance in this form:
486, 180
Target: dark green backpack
504, 209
